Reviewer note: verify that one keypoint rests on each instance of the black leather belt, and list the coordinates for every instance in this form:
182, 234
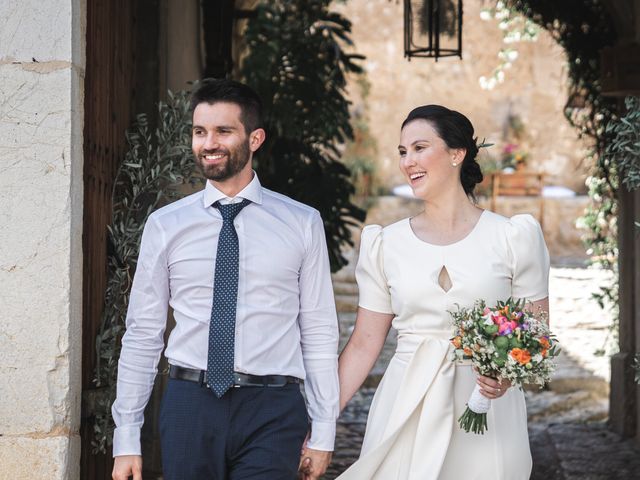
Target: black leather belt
239, 379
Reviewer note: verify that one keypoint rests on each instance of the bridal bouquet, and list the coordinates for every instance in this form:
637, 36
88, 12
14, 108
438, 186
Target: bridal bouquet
505, 341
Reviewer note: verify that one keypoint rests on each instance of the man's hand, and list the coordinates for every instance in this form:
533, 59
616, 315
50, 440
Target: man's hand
313, 463
127, 465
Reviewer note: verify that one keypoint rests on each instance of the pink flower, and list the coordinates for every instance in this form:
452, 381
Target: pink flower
509, 148
505, 327
499, 319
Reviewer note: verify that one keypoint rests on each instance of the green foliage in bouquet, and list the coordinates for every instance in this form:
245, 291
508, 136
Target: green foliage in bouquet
507, 342
504, 336
298, 65
471, 421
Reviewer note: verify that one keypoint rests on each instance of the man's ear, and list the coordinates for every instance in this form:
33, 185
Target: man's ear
256, 138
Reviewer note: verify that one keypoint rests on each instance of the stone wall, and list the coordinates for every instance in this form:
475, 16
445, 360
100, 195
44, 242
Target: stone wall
534, 89
41, 78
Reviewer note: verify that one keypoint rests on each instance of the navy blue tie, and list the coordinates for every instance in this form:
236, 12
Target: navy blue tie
225, 299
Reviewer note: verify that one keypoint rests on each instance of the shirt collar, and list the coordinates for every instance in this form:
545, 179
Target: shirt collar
252, 192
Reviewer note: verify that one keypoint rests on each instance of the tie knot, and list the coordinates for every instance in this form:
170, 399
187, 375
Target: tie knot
231, 210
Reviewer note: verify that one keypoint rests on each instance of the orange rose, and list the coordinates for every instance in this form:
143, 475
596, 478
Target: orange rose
520, 355
468, 352
457, 342
545, 346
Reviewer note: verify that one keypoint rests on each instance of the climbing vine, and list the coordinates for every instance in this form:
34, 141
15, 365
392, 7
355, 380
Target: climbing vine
156, 167
515, 29
624, 149
583, 28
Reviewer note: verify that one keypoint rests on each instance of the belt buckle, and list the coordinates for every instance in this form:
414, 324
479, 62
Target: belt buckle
279, 384
237, 381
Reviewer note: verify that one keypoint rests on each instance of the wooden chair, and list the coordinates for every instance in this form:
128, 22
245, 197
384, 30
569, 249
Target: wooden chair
518, 183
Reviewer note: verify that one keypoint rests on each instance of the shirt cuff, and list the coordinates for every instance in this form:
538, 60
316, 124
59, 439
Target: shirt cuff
126, 441
323, 436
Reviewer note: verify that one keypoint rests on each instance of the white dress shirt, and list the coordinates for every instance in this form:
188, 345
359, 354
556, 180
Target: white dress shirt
286, 321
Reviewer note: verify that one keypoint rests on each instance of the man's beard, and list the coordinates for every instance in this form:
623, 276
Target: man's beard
236, 161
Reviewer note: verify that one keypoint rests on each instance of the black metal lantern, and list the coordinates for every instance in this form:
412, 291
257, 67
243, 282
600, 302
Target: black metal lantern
432, 28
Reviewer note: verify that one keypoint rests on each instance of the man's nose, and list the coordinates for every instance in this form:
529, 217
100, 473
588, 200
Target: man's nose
211, 142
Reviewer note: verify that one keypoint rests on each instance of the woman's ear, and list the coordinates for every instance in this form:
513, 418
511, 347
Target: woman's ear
458, 155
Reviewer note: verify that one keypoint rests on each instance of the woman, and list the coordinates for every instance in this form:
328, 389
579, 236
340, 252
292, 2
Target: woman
410, 275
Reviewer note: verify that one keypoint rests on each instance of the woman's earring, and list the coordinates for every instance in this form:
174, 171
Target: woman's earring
454, 164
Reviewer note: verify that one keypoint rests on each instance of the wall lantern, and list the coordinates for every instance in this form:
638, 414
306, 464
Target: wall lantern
432, 28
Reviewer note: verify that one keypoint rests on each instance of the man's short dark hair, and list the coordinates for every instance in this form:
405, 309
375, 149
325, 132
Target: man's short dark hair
212, 90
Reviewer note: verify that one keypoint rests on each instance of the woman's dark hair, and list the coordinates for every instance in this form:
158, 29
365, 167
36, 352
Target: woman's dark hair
212, 90
457, 132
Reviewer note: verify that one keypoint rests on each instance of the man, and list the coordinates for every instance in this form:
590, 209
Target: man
246, 272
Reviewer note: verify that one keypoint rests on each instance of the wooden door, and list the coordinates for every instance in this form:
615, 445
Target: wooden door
107, 109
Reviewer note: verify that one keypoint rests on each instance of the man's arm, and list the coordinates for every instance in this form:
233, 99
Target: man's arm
319, 338
143, 341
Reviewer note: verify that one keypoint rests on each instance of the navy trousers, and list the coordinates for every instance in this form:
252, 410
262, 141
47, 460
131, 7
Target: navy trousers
251, 433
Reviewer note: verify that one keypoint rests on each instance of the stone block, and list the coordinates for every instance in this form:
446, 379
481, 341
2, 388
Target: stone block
44, 31
40, 266
45, 458
622, 414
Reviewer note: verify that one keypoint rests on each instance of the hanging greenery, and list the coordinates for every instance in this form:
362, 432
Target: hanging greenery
297, 64
583, 28
623, 153
515, 29
155, 169
624, 149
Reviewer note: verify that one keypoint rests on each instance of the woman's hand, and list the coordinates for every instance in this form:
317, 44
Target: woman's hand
492, 388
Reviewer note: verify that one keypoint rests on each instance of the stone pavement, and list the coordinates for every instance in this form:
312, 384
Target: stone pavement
567, 421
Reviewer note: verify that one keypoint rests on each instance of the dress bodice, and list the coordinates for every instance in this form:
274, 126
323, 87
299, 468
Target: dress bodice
398, 273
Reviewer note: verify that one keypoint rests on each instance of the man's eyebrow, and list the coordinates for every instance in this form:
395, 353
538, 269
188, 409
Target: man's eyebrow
219, 127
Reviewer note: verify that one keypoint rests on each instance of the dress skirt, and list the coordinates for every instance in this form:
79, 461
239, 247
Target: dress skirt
412, 431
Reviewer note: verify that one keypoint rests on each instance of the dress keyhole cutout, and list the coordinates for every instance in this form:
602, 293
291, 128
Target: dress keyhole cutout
444, 280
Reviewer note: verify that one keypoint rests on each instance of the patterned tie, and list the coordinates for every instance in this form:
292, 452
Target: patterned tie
225, 298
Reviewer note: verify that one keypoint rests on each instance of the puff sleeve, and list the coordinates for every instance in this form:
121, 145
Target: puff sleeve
372, 284
529, 258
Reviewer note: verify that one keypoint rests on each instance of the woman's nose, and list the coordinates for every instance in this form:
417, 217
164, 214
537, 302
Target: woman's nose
408, 160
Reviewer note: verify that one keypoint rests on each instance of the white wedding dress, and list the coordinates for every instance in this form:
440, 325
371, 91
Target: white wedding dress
412, 430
